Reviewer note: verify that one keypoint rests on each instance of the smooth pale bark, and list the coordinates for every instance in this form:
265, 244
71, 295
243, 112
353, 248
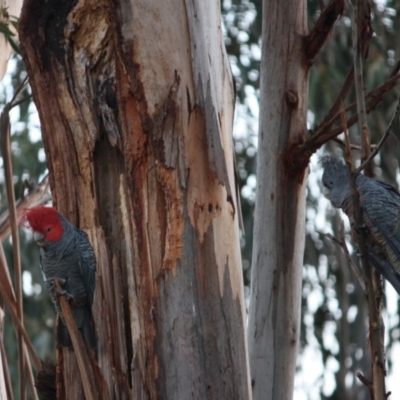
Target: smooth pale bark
274, 320
136, 104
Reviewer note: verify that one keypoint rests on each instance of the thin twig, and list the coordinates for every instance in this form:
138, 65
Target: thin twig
8, 173
38, 195
5, 144
7, 291
20, 89
327, 122
29, 374
18, 102
373, 285
347, 146
383, 139
342, 243
341, 142
90, 387
366, 382
396, 69
358, 56
324, 133
334, 111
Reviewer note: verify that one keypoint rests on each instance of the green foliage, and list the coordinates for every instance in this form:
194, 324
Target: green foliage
5, 21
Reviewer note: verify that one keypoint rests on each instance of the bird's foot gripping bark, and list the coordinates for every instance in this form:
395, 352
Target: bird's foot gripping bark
54, 292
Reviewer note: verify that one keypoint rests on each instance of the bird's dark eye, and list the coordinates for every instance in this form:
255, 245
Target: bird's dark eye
48, 229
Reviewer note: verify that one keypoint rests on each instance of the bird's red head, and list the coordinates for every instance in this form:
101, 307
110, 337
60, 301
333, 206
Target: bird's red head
44, 220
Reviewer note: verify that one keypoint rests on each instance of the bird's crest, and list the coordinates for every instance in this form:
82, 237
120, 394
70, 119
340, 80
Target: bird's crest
330, 160
45, 220
334, 165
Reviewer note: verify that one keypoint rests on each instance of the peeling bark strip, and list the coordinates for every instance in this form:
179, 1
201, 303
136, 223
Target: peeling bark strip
136, 104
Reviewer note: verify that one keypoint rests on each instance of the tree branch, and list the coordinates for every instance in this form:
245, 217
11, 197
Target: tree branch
91, 387
342, 243
352, 145
334, 111
8, 294
323, 134
348, 82
24, 366
5, 144
383, 139
372, 282
317, 37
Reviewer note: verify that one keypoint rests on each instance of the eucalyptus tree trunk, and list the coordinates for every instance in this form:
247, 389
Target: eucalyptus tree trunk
279, 230
136, 103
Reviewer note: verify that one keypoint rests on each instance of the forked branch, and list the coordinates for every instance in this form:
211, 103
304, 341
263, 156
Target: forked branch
318, 35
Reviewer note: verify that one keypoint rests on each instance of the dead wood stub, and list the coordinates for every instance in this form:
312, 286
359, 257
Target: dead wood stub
46, 21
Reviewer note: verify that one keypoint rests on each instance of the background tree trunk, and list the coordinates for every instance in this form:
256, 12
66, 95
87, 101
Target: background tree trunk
279, 230
136, 104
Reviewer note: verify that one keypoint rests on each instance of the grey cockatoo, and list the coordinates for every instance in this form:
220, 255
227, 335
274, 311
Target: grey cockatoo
67, 255
380, 209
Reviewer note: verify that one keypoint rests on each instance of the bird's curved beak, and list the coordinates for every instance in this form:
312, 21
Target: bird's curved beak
38, 238
325, 191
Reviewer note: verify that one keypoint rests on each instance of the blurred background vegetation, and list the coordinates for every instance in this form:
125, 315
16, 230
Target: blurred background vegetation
333, 334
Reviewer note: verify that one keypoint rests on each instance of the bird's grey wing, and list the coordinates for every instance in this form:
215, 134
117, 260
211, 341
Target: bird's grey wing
386, 270
87, 264
380, 204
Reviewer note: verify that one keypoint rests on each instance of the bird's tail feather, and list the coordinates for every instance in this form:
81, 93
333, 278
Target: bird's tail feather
387, 271
88, 333
62, 335
64, 339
